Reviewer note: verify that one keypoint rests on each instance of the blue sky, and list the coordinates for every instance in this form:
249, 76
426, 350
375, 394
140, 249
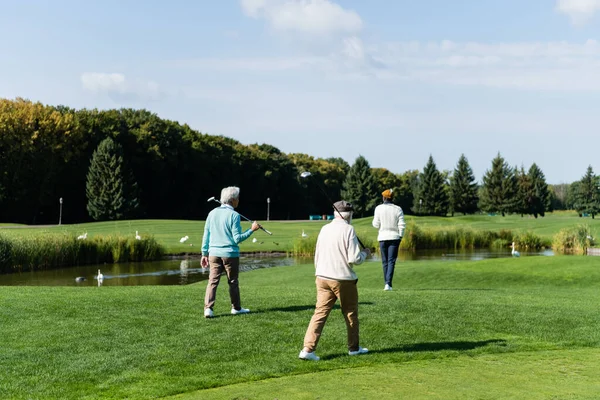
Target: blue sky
394, 81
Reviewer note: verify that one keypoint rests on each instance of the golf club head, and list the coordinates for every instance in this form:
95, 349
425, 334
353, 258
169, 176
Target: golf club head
305, 174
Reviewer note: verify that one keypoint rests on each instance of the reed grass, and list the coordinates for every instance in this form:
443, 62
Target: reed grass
447, 237
574, 240
34, 252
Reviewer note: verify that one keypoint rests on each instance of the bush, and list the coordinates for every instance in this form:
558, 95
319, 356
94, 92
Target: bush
574, 240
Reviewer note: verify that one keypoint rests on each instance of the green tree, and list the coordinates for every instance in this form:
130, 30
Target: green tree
540, 200
432, 191
111, 189
359, 188
524, 194
499, 189
588, 194
572, 194
559, 194
463, 188
385, 179
404, 195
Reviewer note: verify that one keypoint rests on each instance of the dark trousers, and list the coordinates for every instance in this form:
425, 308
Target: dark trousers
218, 265
389, 254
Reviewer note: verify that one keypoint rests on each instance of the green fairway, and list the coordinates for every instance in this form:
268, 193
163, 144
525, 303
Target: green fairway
168, 232
559, 374
478, 324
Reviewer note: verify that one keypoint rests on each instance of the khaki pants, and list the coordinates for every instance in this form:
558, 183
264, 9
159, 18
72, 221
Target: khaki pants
231, 266
327, 294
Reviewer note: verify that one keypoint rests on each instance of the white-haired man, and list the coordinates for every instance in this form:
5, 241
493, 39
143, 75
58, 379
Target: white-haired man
336, 252
222, 234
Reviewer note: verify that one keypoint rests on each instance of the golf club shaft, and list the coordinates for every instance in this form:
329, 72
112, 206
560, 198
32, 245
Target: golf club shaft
247, 219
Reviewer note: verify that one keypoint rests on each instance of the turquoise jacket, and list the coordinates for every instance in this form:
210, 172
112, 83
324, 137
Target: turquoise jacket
223, 233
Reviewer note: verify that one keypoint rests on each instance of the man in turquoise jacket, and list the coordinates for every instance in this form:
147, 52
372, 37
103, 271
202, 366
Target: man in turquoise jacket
222, 234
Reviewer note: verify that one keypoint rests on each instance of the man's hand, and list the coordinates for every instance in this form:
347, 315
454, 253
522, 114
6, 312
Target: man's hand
204, 262
255, 226
367, 252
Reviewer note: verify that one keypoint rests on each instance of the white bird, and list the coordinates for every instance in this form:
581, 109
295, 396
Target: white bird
304, 234
254, 240
183, 239
82, 237
514, 252
100, 277
137, 236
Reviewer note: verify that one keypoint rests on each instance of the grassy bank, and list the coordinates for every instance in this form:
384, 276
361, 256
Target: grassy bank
29, 252
463, 231
142, 342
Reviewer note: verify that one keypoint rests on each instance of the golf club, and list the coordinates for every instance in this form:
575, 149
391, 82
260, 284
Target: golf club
247, 219
306, 174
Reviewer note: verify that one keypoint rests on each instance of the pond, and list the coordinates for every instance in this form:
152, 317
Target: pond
183, 271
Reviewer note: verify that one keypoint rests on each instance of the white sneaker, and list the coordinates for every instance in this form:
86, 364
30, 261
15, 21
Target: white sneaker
208, 313
305, 355
387, 288
361, 350
240, 311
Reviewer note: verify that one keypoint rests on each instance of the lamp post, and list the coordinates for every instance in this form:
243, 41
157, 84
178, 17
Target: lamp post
420, 204
60, 211
268, 207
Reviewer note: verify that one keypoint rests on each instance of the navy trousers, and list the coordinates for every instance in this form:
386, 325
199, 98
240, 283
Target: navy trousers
389, 254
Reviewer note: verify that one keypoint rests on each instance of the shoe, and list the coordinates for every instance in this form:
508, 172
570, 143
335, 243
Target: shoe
240, 311
305, 355
387, 288
208, 313
361, 350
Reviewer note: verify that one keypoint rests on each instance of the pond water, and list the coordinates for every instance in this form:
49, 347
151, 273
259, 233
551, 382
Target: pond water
183, 271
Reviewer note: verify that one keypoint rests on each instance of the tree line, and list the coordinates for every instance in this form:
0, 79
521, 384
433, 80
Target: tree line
122, 164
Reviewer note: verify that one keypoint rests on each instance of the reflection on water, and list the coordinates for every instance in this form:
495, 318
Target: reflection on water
189, 270
164, 272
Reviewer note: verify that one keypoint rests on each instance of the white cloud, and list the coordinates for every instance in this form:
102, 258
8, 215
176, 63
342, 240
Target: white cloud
313, 17
116, 86
580, 11
559, 66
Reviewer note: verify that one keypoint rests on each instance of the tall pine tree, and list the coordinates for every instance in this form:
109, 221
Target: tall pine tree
433, 195
499, 190
463, 188
540, 194
523, 204
360, 188
588, 194
110, 189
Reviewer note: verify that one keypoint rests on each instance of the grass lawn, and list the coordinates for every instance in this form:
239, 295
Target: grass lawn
502, 328
168, 232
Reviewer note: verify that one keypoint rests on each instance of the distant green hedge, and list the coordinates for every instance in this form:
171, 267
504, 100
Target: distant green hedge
31, 253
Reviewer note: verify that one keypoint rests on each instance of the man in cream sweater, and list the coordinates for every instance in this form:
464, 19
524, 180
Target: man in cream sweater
336, 253
389, 219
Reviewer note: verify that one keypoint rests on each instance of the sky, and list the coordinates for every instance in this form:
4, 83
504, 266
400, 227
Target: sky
392, 80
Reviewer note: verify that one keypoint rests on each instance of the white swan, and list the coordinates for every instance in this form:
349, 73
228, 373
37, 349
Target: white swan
183, 239
304, 234
514, 252
82, 237
137, 236
100, 277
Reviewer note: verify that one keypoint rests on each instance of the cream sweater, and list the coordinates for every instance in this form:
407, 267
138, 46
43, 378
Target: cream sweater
337, 251
389, 219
